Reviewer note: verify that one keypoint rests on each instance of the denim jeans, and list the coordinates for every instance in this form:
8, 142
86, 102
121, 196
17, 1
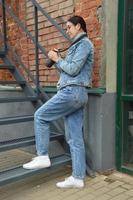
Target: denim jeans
67, 103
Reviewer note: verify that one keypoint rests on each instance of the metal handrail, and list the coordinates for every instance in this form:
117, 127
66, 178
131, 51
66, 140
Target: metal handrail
51, 19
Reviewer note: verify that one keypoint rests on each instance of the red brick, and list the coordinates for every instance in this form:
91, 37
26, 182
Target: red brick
52, 8
52, 78
56, 2
65, 4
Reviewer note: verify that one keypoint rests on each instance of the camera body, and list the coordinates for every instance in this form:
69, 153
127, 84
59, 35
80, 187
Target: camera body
50, 62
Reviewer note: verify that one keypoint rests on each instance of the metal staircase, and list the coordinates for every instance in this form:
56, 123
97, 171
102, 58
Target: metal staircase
35, 95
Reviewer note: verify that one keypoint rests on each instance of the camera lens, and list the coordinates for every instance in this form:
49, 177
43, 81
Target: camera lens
49, 63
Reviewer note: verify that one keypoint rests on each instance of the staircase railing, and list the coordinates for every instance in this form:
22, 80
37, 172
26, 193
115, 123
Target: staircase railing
38, 46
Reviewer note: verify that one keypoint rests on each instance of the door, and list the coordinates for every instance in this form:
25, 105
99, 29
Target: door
124, 122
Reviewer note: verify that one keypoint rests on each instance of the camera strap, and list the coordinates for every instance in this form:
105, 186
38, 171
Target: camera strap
74, 42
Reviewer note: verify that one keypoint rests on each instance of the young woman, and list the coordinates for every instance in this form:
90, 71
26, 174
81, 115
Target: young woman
75, 76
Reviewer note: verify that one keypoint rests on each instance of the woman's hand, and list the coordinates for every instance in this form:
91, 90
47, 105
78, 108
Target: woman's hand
53, 55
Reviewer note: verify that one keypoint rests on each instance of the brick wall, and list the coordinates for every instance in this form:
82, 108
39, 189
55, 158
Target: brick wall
49, 37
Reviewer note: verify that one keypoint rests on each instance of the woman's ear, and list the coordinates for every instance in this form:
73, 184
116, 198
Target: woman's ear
78, 26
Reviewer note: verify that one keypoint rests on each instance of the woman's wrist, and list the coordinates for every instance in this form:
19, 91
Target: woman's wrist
57, 60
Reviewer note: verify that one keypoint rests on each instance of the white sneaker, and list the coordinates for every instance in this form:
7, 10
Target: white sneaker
38, 163
71, 182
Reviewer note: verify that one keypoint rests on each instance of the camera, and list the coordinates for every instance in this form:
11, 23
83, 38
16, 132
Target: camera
49, 62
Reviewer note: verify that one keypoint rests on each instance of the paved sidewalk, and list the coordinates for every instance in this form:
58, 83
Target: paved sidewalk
115, 186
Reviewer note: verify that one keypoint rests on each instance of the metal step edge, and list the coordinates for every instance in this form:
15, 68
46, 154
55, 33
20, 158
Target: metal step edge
27, 141
20, 173
5, 82
4, 66
17, 99
16, 119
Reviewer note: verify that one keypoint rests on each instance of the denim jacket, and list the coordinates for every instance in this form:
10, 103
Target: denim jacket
76, 68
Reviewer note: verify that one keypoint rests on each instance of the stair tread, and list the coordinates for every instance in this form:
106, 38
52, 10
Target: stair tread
17, 99
18, 173
26, 141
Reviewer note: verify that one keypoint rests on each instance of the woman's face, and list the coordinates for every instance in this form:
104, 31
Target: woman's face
72, 30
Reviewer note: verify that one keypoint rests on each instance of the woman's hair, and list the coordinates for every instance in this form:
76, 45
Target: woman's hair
78, 20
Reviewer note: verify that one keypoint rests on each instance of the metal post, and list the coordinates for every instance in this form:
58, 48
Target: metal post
36, 49
4, 25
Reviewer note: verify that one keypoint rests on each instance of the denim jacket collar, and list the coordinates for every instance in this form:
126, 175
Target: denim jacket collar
79, 35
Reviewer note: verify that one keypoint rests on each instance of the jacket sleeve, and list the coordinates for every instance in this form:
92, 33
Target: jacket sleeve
74, 66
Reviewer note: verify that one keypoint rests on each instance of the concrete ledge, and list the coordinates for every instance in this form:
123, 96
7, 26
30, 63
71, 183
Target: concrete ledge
53, 89
93, 91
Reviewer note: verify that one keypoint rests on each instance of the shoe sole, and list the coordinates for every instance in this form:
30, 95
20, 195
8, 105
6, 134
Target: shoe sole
67, 187
43, 167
